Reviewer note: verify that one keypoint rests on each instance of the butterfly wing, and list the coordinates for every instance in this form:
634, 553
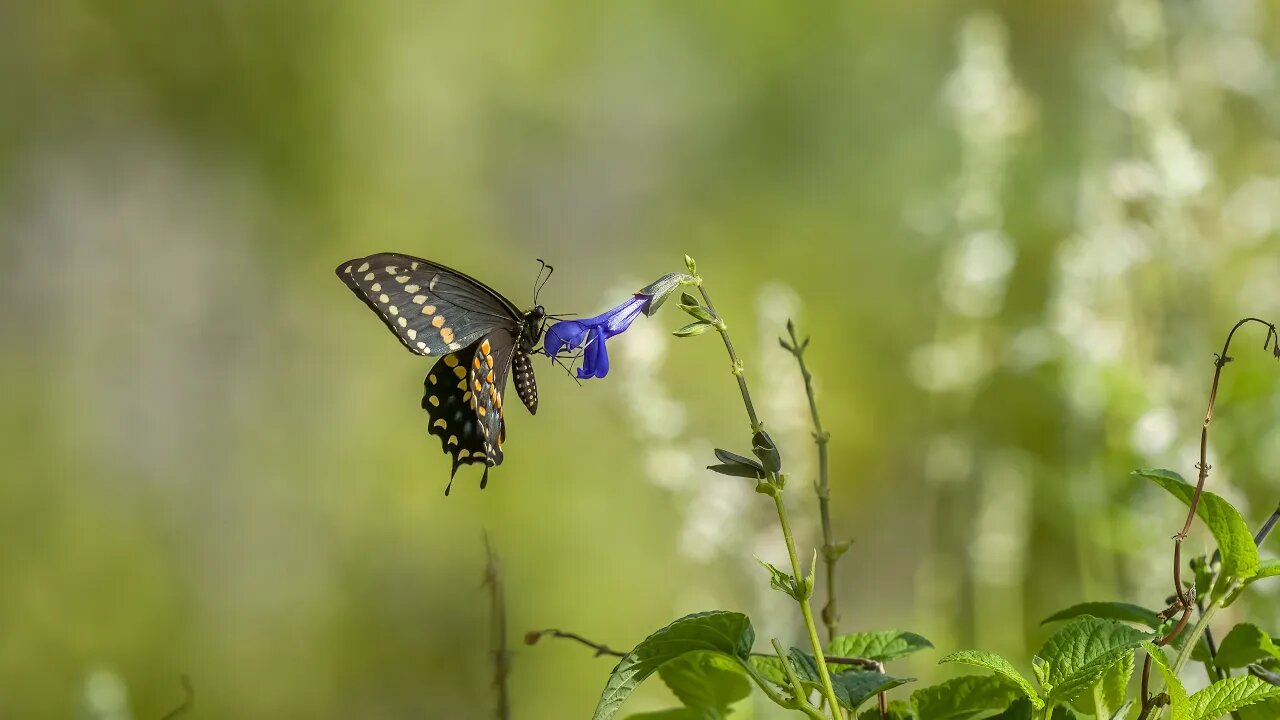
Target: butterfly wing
463, 399
432, 309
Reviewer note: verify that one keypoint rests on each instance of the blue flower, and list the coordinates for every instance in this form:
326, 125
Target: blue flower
591, 333
570, 334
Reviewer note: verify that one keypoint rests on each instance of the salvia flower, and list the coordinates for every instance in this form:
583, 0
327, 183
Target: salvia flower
591, 333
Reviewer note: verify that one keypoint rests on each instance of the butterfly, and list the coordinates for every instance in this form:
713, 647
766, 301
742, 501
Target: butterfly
479, 336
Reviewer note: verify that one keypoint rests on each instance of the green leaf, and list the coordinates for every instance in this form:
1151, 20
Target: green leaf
719, 631
962, 697
1179, 703
881, 646
994, 662
693, 328
1081, 652
1229, 695
1107, 695
659, 290
855, 687
698, 312
689, 263
1020, 709
1235, 541
852, 687
778, 580
770, 668
1128, 612
1245, 644
676, 714
706, 680
1266, 569
897, 710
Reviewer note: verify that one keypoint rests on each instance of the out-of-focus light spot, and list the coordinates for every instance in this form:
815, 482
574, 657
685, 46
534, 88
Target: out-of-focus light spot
974, 284
950, 365
1154, 432
948, 459
106, 697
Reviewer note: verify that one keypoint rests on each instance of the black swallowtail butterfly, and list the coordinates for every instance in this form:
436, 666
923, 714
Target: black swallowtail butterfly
478, 335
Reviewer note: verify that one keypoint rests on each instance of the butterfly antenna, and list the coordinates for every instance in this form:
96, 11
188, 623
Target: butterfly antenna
541, 281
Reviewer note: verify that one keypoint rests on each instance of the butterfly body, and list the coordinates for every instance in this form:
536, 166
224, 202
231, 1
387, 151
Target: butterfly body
478, 335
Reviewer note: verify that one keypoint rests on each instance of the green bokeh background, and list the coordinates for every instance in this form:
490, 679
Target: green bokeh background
1016, 231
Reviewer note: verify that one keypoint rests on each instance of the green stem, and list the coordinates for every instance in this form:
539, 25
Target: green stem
737, 371
830, 552
1193, 637
775, 491
801, 702
827, 689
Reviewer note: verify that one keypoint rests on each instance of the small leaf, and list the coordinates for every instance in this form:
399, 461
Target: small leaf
674, 714
689, 263
1040, 667
770, 668
994, 662
1229, 695
737, 465
745, 471
693, 328
706, 681
1106, 695
698, 312
778, 580
1266, 569
763, 447
1235, 541
1128, 612
1244, 645
961, 698
881, 646
1179, 703
719, 631
1081, 652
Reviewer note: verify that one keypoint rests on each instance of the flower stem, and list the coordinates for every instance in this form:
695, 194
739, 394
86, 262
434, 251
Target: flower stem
775, 485
737, 370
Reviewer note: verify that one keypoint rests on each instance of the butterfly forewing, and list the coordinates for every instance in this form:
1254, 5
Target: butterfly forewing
432, 309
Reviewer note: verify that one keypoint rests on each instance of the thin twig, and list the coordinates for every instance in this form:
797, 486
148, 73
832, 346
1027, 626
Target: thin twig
533, 636
498, 617
830, 551
1187, 599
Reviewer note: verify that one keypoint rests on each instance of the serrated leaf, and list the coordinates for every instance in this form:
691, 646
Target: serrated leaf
706, 681
1232, 535
1179, 703
881, 646
1080, 653
724, 632
1127, 612
1245, 644
1229, 695
994, 662
1107, 695
963, 697
693, 328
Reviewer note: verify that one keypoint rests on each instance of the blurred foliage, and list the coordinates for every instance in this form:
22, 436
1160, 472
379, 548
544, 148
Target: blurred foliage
1016, 231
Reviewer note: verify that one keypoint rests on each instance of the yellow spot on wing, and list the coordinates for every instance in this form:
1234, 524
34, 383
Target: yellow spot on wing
435, 401
417, 299
363, 267
402, 279
460, 371
484, 347
413, 334
437, 321
383, 298
411, 289
440, 423
453, 439
481, 410
446, 334
368, 276
428, 309
451, 360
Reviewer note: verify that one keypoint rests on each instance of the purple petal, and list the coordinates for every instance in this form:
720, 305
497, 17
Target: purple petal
565, 335
595, 358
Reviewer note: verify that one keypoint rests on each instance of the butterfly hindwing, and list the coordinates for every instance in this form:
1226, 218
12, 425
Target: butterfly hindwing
447, 399
432, 309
